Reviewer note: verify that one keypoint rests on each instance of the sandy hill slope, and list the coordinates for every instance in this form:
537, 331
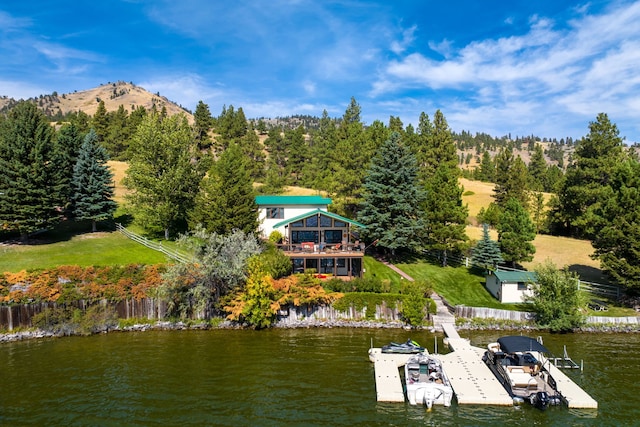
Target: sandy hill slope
115, 94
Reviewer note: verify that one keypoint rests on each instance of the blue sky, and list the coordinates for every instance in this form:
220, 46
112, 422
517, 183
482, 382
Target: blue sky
544, 67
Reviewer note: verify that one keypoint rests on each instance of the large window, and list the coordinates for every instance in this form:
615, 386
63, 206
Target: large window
333, 236
304, 236
312, 221
325, 221
275, 213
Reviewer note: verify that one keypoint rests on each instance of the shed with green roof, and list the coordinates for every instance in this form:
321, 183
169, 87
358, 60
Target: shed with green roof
511, 286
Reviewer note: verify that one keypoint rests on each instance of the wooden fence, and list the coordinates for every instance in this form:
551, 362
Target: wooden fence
523, 316
156, 246
19, 316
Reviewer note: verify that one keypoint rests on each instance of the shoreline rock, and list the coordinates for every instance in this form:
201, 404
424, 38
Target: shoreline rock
309, 324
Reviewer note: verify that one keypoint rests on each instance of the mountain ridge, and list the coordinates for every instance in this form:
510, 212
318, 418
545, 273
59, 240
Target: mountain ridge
113, 94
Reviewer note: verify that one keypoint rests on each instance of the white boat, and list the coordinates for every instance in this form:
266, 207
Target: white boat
426, 381
516, 362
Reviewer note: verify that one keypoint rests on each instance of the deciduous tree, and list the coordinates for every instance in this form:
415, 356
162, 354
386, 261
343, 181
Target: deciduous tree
163, 173
556, 299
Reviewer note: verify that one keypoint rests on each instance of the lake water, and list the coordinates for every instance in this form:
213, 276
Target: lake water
297, 377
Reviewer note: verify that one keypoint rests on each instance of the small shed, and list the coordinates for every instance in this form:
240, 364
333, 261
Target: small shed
510, 286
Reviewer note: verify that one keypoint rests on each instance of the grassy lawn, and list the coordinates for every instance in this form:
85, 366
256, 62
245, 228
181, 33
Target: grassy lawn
99, 249
458, 285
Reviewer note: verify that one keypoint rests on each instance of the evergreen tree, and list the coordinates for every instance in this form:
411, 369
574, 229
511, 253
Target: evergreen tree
297, 154
587, 181
617, 237
537, 169
100, 122
231, 125
92, 183
226, 201
203, 122
351, 158
320, 170
163, 173
32, 183
515, 233
486, 253
118, 134
446, 215
487, 170
511, 179
69, 140
392, 199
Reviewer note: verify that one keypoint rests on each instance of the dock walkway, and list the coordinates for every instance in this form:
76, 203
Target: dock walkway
387, 373
471, 379
576, 397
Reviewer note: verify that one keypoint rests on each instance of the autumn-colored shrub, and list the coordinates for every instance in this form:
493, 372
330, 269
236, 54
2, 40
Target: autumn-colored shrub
71, 283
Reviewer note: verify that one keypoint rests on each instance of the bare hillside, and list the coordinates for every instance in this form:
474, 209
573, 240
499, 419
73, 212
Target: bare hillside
128, 95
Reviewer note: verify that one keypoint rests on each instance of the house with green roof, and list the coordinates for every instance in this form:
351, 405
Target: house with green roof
315, 239
511, 286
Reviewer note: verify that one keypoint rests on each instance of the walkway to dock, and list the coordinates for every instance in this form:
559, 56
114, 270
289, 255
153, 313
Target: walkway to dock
471, 379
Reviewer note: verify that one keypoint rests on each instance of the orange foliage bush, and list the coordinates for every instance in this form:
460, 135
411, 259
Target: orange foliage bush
68, 283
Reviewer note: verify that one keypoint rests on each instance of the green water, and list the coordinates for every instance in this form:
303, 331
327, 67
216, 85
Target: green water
310, 377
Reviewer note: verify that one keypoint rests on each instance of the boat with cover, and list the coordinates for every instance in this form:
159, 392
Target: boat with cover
517, 363
426, 381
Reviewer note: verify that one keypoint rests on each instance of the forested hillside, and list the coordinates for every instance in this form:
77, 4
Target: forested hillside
202, 170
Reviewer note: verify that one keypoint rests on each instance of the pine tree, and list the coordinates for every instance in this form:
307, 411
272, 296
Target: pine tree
92, 183
617, 236
486, 253
487, 170
511, 179
392, 198
32, 183
226, 201
537, 169
587, 181
445, 215
163, 173
203, 122
70, 140
100, 122
515, 233
319, 172
350, 159
118, 134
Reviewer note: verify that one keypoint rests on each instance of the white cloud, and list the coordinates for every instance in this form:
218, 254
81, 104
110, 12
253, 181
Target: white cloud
399, 46
187, 90
21, 90
589, 67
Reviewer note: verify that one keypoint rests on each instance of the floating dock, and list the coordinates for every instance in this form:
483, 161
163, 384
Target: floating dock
472, 380
576, 396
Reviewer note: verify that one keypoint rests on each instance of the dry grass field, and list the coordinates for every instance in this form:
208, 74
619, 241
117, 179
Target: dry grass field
562, 251
118, 169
